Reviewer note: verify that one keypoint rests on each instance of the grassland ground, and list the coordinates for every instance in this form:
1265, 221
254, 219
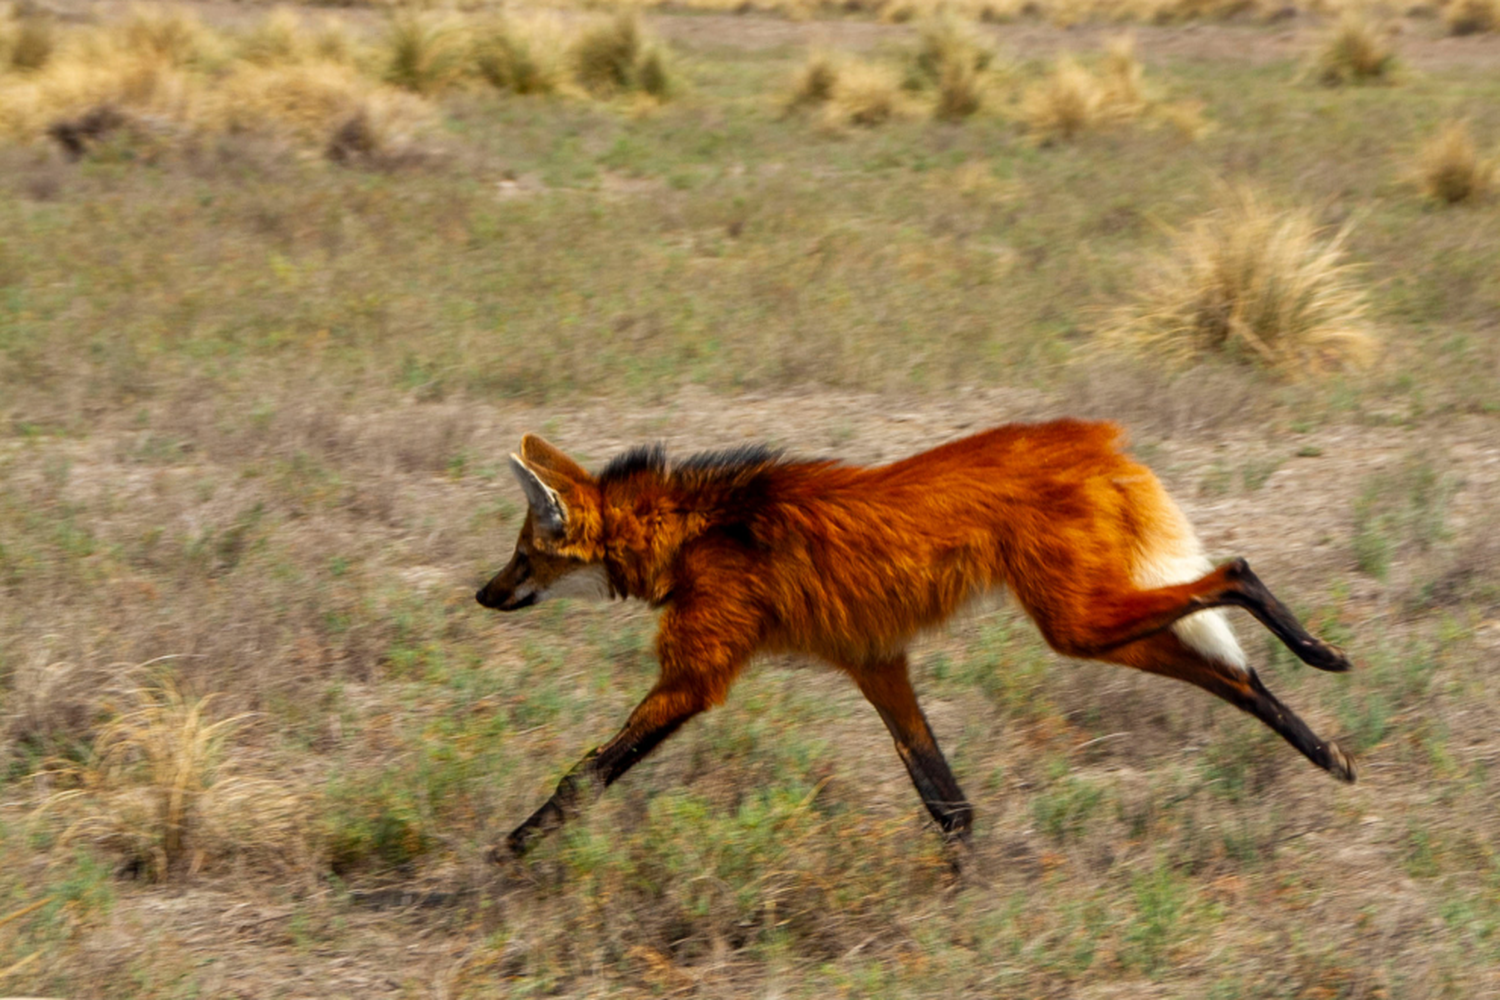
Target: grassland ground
256, 407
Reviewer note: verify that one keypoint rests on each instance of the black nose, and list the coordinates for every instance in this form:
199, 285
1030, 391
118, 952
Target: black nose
479, 596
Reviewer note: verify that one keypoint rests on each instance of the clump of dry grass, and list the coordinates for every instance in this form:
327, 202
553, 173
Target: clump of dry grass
1252, 282
278, 39
1358, 51
951, 59
313, 102
613, 57
1073, 99
1449, 168
421, 54
943, 42
1471, 17
26, 43
866, 94
815, 81
168, 35
520, 56
158, 791
1069, 101
158, 78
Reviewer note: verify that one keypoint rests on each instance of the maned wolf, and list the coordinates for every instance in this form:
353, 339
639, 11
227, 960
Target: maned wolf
745, 551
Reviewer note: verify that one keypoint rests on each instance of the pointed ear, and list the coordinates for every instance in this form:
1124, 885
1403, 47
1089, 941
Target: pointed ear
544, 456
547, 506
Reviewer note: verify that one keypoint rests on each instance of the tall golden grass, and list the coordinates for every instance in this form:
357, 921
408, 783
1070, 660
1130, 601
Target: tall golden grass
1450, 169
1356, 51
521, 55
1072, 99
160, 789
1471, 17
161, 71
1251, 282
953, 61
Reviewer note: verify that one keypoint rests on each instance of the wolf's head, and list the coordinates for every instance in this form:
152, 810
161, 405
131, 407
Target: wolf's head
560, 552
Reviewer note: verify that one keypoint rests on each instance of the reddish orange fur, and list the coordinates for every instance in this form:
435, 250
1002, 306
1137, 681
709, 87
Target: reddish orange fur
848, 564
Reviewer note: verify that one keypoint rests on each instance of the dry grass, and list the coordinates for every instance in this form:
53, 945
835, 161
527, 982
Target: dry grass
155, 788
1471, 17
421, 54
613, 57
26, 43
160, 79
1449, 168
1072, 99
816, 80
163, 74
1252, 282
945, 43
867, 94
521, 55
953, 60
849, 91
1068, 102
1356, 51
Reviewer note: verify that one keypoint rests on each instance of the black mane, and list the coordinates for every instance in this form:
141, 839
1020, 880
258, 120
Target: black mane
723, 463
642, 458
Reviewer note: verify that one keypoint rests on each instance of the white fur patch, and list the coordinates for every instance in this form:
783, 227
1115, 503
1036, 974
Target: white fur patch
589, 583
1174, 555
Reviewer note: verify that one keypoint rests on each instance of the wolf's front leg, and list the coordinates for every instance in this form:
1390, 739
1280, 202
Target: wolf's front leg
654, 719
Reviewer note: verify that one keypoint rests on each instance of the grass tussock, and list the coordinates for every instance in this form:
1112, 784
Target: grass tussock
952, 60
159, 790
848, 91
1449, 168
521, 56
613, 57
1068, 102
866, 95
26, 43
1251, 282
421, 54
816, 80
1357, 51
1471, 17
159, 79
1073, 99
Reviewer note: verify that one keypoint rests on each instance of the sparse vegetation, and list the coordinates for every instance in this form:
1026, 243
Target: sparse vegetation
816, 81
613, 57
1252, 282
1356, 51
866, 94
1471, 17
1072, 100
421, 54
523, 57
154, 784
1450, 169
254, 413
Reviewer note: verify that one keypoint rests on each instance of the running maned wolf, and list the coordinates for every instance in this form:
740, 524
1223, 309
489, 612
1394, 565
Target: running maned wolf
746, 551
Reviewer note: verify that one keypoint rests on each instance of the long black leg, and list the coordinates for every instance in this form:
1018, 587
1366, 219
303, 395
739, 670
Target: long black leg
887, 686
657, 717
